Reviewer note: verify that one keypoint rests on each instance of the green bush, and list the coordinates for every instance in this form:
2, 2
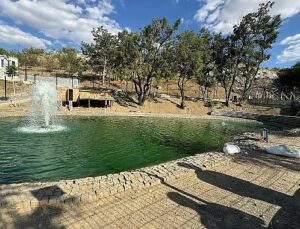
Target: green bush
211, 103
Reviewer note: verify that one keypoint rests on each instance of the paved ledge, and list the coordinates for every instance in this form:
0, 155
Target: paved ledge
281, 119
89, 113
151, 115
31, 195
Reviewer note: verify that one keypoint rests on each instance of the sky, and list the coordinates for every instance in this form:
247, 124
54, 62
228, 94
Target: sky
53, 24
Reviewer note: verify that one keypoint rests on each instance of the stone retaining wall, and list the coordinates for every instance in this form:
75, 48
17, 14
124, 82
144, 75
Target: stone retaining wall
281, 119
31, 195
275, 103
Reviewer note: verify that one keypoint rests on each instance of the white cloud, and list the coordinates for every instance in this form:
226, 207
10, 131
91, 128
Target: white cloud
292, 51
221, 15
13, 35
62, 19
207, 8
291, 40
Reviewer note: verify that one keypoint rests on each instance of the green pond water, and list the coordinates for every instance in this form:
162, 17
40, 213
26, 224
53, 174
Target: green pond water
98, 146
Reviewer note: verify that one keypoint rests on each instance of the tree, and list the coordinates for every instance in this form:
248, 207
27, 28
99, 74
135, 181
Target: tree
51, 61
187, 59
101, 53
11, 70
4, 52
206, 78
126, 53
226, 64
290, 77
69, 61
142, 53
29, 58
254, 35
241, 53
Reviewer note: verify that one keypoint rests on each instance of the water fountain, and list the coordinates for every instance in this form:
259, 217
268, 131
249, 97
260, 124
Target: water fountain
42, 111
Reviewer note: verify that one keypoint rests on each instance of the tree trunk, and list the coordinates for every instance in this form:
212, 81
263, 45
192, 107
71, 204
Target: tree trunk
104, 72
14, 87
141, 99
141, 88
245, 89
228, 94
181, 82
248, 85
139, 91
126, 84
25, 79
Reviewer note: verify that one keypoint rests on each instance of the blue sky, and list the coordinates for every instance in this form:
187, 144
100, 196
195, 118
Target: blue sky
53, 24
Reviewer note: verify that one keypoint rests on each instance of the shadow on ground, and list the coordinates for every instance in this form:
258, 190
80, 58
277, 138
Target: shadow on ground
217, 216
212, 215
258, 156
287, 217
41, 217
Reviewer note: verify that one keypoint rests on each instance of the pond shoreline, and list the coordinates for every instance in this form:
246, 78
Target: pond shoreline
132, 114
93, 188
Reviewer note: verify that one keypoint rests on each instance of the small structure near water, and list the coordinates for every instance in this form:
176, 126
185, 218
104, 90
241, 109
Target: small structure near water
75, 97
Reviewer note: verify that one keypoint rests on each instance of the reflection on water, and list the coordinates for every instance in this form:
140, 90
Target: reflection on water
41, 129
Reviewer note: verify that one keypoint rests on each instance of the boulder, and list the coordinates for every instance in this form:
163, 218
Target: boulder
231, 149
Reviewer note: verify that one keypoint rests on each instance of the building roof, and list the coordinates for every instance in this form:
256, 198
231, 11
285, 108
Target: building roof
9, 57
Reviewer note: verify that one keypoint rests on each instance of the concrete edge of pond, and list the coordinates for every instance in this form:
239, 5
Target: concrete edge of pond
31, 195
140, 114
280, 119
153, 115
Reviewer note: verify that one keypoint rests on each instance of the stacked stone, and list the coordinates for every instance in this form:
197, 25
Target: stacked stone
88, 189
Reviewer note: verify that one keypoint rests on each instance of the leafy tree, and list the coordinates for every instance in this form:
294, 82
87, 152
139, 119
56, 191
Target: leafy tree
226, 64
101, 53
51, 60
254, 35
4, 52
126, 53
187, 59
206, 79
240, 54
290, 77
142, 53
69, 61
29, 58
11, 70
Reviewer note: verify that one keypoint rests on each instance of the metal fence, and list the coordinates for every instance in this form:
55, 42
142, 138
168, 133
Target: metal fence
67, 82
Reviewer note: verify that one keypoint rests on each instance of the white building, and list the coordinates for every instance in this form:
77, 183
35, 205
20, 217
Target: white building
6, 61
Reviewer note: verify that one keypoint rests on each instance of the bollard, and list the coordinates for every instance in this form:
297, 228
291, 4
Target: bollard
265, 134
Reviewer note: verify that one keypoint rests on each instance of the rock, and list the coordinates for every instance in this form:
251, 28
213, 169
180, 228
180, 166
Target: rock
165, 96
230, 149
283, 150
293, 132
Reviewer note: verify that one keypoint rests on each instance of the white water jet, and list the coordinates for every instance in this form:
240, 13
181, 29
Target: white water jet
43, 109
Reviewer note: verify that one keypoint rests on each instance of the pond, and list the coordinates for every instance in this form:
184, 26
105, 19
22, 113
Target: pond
97, 146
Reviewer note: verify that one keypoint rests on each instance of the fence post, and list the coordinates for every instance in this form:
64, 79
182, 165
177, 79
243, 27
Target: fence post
5, 93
